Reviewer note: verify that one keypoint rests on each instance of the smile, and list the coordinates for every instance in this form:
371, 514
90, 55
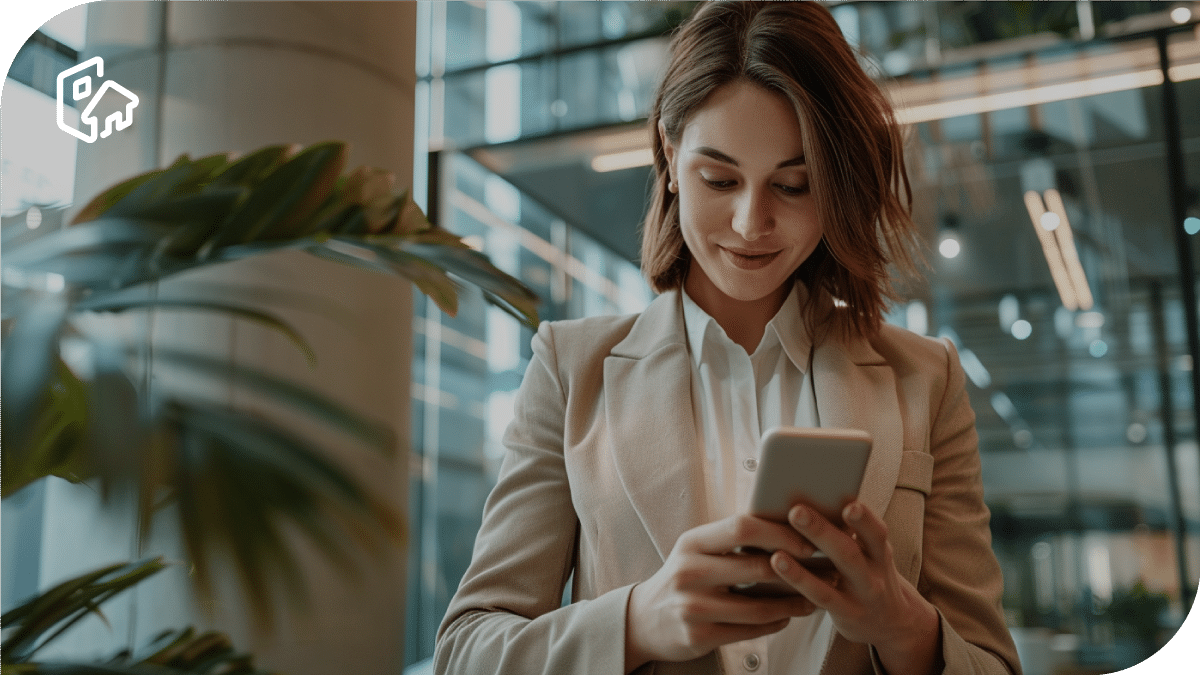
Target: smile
748, 260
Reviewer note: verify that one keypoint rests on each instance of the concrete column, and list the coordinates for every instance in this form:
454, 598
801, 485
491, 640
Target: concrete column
235, 76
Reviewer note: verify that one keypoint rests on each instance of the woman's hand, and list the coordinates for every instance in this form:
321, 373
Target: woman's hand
686, 609
869, 602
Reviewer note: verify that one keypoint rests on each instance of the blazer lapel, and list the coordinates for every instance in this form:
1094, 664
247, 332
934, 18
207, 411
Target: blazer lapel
648, 409
856, 389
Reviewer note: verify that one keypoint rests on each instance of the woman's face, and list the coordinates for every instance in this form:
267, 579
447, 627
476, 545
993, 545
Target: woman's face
745, 208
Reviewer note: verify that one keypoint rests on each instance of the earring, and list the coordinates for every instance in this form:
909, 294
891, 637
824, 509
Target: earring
672, 187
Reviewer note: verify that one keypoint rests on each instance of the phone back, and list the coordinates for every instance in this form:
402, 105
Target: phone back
822, 468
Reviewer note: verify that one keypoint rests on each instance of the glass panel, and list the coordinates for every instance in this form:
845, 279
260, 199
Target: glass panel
1080, 378
467, 369
497, 30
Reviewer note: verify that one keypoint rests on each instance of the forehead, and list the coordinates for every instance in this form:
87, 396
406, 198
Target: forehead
749, 123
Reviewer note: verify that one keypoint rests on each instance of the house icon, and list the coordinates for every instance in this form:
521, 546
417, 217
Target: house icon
81, 88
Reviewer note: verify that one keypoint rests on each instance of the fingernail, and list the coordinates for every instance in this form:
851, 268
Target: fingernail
853, 511
782, 564
801, 517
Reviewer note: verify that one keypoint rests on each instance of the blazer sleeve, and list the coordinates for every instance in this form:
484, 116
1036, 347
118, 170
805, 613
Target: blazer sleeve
506, 616
959, 571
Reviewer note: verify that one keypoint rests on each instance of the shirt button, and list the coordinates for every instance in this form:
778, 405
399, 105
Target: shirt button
750, 463
750, 662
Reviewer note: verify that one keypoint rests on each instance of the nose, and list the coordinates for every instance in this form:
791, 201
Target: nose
753, 216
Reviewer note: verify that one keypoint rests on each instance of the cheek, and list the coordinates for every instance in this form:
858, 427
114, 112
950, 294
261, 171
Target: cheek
808, 229
699, 217
692, 223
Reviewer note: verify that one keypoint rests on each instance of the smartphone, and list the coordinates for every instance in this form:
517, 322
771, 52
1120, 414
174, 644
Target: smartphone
821, 468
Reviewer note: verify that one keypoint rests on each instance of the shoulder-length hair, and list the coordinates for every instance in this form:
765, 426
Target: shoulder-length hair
852, 147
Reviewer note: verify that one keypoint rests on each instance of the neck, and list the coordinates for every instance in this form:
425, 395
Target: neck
744, 321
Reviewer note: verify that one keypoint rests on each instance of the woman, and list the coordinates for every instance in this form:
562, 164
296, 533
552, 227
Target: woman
780, 201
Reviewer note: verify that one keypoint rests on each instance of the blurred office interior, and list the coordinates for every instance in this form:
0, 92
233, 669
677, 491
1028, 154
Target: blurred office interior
1054, 150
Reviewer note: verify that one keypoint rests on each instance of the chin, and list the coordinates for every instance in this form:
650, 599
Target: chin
752, 291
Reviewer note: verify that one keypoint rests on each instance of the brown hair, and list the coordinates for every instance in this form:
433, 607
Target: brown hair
852, 146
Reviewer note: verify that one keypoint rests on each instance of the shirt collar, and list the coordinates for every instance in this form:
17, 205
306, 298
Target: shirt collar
786, 327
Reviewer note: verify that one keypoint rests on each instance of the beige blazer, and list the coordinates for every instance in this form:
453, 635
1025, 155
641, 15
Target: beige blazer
602, 476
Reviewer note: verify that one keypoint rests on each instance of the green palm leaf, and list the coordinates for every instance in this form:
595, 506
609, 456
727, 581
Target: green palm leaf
238, 477
427, 277
253, 168
184, 177
145, 300
106, 235
102, 202
473, 267
58, 447
29, 361
274, 388
242, 483
285, 197
66, 603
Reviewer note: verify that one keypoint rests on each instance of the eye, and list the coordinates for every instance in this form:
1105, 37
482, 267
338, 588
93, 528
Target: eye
792, 189
719, 184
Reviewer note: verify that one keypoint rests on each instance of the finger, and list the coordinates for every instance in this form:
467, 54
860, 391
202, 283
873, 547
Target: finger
724, 634
814, 588
840, 547
871, 531
703, 571
723, 536
731, 608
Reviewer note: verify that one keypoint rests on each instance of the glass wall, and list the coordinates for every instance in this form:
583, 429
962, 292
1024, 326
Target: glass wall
467, 368
1042, 179
1040, 144
37, 169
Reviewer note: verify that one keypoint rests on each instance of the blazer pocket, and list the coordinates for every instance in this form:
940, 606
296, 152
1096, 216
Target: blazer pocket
913, 486
916, 471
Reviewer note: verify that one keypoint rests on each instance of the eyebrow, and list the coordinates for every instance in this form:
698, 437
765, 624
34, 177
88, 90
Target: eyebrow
722, 157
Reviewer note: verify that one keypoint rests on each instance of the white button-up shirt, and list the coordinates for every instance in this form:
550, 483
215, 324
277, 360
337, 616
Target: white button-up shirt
736, 398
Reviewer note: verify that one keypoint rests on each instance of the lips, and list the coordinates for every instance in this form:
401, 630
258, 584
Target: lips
749, 259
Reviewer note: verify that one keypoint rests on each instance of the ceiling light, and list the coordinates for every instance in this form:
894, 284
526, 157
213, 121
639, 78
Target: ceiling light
1032, 96
1090, 320
1136, 432
1059, 247
1004, 407
1058, 272
1066, 243
916, 317
1181, 15
33, 218
627, 159
1021, 329
1191, 224
949, 248
974, 368
1023, 438
1009, 310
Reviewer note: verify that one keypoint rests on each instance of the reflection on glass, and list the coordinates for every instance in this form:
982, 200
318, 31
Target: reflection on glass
467, 369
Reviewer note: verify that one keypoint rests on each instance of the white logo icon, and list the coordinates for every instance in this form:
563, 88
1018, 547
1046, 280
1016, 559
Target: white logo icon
81, 88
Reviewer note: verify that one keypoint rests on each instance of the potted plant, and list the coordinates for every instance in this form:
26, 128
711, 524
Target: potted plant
1136, 613
90, 421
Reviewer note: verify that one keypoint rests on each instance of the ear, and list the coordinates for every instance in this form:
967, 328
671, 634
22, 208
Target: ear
668, 150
